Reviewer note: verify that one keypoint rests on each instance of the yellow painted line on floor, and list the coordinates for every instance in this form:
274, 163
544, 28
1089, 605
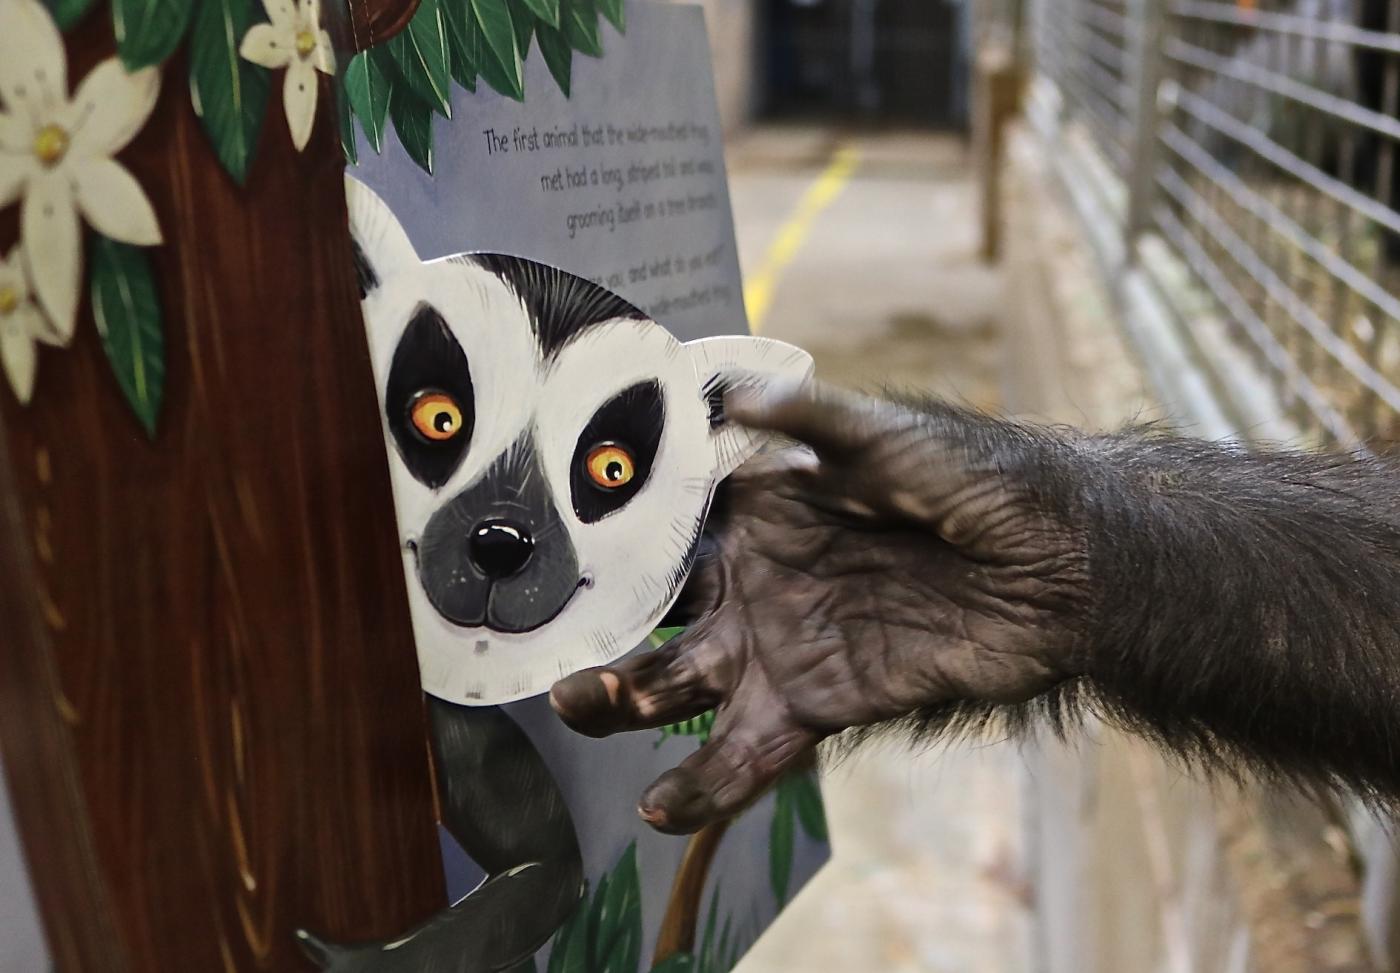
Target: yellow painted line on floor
758, 292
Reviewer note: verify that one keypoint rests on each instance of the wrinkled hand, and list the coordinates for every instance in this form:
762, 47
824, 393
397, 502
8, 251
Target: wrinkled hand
903, 563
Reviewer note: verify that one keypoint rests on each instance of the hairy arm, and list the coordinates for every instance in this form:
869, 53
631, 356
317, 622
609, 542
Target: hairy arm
1248, 605
941, 571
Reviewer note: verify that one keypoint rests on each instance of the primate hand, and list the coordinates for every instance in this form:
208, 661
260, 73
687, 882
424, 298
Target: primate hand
903, 562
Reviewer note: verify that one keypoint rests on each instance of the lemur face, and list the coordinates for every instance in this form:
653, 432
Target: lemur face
553, 453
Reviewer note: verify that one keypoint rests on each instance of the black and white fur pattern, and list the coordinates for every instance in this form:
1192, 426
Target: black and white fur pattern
546, 352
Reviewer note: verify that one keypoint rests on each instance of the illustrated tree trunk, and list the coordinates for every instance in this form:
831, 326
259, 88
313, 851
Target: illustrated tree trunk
210, 714
680, 923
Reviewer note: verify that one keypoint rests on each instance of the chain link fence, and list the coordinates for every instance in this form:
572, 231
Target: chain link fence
1254, 142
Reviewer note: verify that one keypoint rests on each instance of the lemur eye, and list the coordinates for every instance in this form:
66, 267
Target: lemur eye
435, 416
610, 466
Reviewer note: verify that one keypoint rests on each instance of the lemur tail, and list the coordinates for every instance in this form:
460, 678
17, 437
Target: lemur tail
320, 952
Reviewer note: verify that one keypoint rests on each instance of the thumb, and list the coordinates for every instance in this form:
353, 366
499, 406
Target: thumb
832, 421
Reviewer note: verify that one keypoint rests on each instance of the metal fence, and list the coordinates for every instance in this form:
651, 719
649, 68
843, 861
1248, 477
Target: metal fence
1258, 140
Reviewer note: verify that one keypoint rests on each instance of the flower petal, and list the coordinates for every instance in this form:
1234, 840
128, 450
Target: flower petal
48, 225
114, 203
310, 15
325, 53
110, 107
12, 273
15, 169
299, 100
283, 14
16, 133
18, 355
266, 45
33, 67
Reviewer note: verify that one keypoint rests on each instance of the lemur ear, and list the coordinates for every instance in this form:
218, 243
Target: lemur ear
382, 248
723, 363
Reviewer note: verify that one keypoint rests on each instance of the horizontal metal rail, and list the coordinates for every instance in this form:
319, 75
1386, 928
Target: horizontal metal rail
1279, 222
1254, 327
1305, 27
1265, 147
1275, 83
1298, 310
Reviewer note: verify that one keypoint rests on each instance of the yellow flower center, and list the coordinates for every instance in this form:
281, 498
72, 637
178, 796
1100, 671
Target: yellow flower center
51, 144
9, 299
306, 42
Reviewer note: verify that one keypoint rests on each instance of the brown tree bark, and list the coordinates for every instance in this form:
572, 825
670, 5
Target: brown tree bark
679, 924
371, 21
210, 714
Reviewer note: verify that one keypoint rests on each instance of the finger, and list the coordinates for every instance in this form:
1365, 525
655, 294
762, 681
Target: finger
680, 680
832, 421
726, 775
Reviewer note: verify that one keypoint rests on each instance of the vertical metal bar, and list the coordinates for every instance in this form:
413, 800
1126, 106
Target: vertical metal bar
1146, 31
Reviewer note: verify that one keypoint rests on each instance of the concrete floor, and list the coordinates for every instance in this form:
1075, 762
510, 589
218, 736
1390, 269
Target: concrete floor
886, 290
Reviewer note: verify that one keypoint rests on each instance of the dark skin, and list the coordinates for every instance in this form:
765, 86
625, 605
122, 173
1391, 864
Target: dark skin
918, 566
848, 588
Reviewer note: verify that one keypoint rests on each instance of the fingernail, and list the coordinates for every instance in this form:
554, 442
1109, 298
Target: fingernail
586, 698
675, 804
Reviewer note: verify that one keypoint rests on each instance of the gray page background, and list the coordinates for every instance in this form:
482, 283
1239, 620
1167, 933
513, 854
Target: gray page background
22, 948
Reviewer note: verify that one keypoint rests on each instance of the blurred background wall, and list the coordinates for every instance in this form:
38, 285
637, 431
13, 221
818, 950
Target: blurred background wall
1092, 212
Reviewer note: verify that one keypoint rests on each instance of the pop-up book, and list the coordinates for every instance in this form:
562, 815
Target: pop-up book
554, 449
281, 492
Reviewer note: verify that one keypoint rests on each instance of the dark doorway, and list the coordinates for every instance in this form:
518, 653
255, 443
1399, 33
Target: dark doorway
882, 60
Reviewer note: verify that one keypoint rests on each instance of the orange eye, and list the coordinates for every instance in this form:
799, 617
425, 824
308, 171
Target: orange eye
610, 465
436, 416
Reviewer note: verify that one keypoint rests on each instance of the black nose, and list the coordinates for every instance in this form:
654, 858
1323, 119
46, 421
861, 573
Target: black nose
499, 548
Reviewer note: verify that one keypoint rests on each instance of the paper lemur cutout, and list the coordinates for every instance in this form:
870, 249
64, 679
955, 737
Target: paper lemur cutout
553, 453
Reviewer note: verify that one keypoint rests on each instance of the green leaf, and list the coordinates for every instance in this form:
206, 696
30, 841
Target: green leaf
499, 63
558, 57
127, 310
66, 13
463, 42
413, 121
676, 963
421, 54
369, 88
580, 22
229, 93
464, 73
569, 952
707, 941
807, 797
524, 22
616, 12
660, 636
780, 842
546, 10
149, 30
347, 125
618, 941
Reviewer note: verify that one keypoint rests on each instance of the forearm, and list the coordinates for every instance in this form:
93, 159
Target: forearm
931, 569
1246, 606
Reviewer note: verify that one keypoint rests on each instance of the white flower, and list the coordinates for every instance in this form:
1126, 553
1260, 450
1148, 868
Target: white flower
293, 40
21, 324
56, 154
